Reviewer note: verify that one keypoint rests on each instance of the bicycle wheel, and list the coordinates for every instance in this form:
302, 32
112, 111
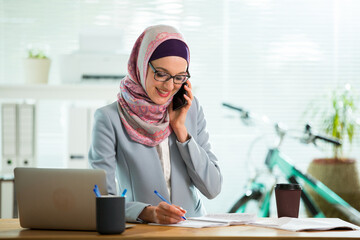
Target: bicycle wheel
255, 194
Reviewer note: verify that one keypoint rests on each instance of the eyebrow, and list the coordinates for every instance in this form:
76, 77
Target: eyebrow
167, 70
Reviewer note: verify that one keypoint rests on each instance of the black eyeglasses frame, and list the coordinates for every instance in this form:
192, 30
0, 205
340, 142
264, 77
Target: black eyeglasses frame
170, 76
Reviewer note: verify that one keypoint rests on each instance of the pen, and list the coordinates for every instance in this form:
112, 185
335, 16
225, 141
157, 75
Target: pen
162, 198
96, 191
124, 192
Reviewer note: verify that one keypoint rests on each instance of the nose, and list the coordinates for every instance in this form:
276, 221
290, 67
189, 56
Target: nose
169, 85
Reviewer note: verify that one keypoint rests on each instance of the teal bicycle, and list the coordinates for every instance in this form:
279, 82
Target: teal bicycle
258, 190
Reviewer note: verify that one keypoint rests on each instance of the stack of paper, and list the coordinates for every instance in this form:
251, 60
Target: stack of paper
285, 223
214, 220
305, 224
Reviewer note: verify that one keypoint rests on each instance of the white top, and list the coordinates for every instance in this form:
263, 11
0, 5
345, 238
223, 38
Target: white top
164, 155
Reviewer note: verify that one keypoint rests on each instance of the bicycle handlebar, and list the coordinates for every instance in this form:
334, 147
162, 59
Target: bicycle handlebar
309, 138
323, 138
244, 114
329, 140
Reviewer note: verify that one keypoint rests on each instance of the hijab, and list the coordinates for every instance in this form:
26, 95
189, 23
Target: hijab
146, 122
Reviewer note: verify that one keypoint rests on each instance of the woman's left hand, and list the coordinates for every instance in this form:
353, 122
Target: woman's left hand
178, 117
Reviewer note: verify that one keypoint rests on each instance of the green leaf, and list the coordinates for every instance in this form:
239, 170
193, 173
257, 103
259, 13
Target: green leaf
335, 114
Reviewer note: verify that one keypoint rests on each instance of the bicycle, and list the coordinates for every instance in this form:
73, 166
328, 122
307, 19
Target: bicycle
258, 191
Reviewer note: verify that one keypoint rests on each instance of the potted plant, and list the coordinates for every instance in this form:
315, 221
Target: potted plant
338, 118
36, 66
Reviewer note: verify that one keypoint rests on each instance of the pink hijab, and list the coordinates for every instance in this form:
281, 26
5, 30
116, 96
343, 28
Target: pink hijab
145, 122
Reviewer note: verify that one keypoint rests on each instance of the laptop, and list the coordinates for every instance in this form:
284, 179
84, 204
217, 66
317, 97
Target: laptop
58, 198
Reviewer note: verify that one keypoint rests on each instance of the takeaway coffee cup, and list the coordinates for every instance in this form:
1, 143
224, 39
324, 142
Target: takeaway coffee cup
110, 214
287, 199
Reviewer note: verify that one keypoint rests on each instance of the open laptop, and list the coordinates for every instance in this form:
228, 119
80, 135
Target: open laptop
58, 198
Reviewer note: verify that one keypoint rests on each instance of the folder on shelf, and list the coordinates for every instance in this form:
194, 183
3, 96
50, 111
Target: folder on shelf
9, 138
26, 135
77, 137
18, 136
7, 199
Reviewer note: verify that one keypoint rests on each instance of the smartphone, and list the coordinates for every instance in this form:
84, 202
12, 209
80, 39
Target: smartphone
178, 100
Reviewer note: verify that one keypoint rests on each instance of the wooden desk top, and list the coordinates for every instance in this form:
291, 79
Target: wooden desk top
10, 229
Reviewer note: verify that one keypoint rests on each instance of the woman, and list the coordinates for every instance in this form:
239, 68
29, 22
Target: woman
146, 145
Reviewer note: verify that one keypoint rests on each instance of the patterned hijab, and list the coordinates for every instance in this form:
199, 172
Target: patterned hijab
145, 122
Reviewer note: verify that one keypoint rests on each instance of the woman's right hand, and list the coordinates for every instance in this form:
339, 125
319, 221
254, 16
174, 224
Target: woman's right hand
163, 214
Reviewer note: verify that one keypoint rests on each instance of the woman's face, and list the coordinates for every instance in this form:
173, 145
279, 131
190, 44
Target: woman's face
160, 92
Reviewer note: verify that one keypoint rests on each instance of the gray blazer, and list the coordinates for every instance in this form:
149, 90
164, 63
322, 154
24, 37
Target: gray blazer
137, 167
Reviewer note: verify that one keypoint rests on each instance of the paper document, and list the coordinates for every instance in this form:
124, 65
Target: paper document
214, 220
193, 224
228, 218
305, 224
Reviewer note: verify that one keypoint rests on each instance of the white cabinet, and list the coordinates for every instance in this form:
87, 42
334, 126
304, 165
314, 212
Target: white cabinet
57, 110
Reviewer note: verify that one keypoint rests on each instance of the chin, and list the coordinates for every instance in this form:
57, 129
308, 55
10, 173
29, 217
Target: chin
162, 101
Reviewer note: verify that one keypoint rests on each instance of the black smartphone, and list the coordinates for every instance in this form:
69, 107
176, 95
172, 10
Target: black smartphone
178, 99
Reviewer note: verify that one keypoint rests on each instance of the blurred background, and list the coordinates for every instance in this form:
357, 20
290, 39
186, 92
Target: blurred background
273, 58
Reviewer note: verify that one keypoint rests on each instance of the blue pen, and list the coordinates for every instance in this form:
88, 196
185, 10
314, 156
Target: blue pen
124, 192
96, 191
162, 198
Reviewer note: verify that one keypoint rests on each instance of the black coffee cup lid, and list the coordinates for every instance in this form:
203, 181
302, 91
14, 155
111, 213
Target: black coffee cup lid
288, 186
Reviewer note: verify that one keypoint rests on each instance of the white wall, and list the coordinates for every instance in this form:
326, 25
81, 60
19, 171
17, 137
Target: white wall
271, 57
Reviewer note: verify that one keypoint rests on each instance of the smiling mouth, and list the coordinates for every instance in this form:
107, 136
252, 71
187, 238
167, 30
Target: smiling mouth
163, 93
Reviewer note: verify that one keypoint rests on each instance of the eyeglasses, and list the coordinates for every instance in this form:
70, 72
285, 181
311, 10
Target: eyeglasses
164, 77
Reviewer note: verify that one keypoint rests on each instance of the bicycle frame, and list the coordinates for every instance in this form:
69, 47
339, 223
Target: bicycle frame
276, 158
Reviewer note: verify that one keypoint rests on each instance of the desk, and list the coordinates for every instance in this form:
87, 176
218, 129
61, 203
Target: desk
10, 229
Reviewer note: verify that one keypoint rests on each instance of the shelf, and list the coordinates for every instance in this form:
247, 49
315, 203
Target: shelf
61, 92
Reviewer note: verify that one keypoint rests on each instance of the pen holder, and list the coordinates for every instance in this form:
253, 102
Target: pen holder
288, 199
110, 214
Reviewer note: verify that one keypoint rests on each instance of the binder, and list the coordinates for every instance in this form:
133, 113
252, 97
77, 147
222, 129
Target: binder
7, 199
77, 137
9, 138
26, 135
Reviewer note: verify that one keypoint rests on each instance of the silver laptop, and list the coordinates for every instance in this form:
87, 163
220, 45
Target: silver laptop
58, 198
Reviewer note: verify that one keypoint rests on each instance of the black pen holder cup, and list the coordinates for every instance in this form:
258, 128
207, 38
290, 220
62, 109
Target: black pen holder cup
110, 214
287, 199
